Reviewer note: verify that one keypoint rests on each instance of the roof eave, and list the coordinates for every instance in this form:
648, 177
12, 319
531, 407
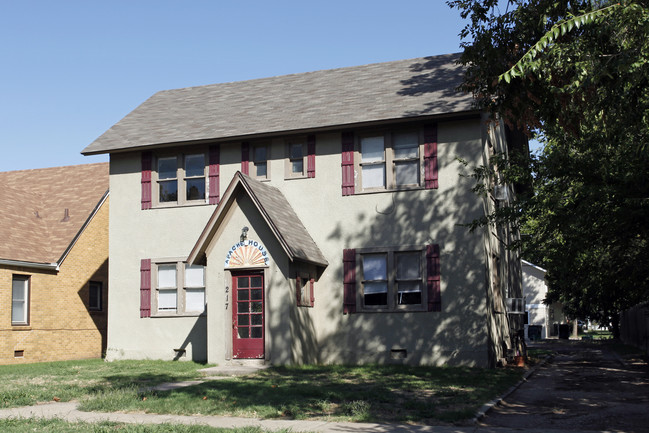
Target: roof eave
31, 265
456, 115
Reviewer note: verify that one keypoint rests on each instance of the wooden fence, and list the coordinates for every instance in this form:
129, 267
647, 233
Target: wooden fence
634, 326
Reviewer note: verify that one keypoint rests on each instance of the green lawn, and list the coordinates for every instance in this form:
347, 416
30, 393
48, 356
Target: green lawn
336, 393
59, 426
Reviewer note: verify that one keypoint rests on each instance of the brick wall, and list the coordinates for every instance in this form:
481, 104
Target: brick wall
60, 326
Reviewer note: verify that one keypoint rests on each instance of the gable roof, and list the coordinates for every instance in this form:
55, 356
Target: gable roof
298, 102
532, 265
42, 211
276, 211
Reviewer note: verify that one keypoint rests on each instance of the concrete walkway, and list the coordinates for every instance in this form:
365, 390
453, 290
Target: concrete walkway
68, 411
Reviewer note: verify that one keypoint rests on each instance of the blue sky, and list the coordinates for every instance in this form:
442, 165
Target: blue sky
69, 70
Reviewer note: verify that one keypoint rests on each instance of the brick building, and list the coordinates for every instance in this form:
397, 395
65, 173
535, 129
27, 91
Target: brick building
53, 263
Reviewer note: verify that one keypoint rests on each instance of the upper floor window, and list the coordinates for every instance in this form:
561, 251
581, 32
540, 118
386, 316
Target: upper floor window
260, 156
20, 300
390, 160
296, 158
377, 161
180, 178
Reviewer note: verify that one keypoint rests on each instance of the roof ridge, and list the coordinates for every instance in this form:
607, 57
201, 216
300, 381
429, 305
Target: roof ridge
26, 170
271, 77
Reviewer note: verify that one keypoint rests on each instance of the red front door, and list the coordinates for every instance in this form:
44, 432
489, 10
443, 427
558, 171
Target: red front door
248, 315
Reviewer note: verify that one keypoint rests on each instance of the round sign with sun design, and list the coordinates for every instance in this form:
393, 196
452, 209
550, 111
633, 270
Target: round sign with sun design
246, 254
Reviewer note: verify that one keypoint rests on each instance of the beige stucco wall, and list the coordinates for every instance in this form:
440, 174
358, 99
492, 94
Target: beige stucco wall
458, 334
60, 326
153, 234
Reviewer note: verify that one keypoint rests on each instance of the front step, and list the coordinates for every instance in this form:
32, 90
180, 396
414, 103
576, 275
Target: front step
235, 367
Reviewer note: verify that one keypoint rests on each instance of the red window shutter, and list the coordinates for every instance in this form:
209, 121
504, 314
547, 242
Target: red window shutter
145, 288
298, 292
430, 156
348, 163
433, 278
312, 297
213, 174
245, 157
349, 281
310, 159
147, 159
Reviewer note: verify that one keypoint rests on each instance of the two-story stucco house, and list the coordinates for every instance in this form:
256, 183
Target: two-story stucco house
307, 218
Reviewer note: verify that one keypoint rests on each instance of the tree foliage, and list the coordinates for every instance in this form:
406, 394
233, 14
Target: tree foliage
576, 74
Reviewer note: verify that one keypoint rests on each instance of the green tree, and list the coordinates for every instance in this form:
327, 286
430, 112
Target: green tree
576, 74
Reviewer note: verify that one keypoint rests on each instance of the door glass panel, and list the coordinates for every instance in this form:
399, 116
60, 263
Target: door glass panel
256, 294
242, 307
255, 282
243, 320
243, 332
255, 307
242, 295
255, 332
242, 282
256, 319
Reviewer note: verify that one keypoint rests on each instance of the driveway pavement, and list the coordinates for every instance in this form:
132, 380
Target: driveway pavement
586, 386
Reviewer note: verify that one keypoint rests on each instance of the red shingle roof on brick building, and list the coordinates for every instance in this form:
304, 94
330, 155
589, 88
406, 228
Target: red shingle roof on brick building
42, 211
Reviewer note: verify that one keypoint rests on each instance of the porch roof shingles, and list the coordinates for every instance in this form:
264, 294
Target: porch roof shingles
276, 211
32, 209
297, 102
284, 221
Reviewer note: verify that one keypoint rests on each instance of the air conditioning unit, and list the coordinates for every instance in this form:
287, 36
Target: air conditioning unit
516, 305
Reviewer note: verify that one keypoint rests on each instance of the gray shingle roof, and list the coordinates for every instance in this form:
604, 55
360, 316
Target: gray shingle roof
278, 213
311, 100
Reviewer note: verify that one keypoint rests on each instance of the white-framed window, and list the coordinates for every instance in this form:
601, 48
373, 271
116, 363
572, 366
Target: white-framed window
392, 279
180, 178
179, 288
296, 158
20, 299
389, 160
95, 291
194, 288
